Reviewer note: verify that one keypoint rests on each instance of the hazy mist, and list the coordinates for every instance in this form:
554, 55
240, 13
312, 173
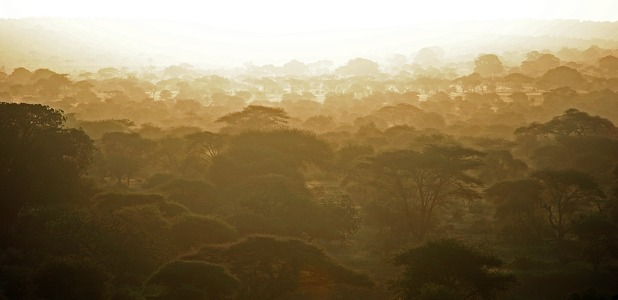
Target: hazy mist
308, 150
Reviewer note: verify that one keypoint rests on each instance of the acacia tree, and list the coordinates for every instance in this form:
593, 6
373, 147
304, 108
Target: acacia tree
488, 65
567, 194
255, 117
518, 208
571, 122
407, 187
124, 154
205, 145
560, 77
256, 153
183, 279
41, 161
455, 267
270, 268
598, 236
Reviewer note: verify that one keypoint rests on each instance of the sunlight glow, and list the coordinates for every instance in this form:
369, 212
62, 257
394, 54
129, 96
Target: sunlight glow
278, 15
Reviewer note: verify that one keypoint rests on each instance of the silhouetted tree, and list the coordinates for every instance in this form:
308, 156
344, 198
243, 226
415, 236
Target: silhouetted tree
255, 117
572, 121
409, 186
488, 65
609, 65
562, 76
518, 208
271, 267
183, 279
71, 279
566, 194
359, 67
537, 64
599, 237
453, 268
41, 162
205, 145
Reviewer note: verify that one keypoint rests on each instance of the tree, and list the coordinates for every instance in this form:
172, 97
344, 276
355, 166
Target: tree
255, 117
517, 81
453, 266
347, 154
191, 230
500, 165
276, 204
149, 231
488, 65
71, 279
407, 114
166, 95
183, 279
429, 56
303, 147
198, 196
562, 76
271, 267
319, 123
598, 235
609, 65
572, 121
407, 187
123, 154
537, 64
566, 194
359, 67
205, 145
518, 209
294, 68
41, 162
470, 82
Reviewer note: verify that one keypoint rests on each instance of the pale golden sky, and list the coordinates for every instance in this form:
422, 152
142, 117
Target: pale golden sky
281, 15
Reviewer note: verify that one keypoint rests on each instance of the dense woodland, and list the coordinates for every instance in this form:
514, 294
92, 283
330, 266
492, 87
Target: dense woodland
309, 181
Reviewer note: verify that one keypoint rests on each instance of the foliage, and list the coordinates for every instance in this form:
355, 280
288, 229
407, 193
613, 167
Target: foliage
208, 281
488, 65
566, 195
41, 162
72, 280
449, 266
409, 186
271, 267
599, 237
518, 208
572, 121
255, 117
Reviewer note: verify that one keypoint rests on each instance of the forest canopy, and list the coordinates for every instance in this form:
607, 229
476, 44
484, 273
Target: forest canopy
425, 176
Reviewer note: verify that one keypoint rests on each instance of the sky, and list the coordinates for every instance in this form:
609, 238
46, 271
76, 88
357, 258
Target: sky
232, 32
311, 15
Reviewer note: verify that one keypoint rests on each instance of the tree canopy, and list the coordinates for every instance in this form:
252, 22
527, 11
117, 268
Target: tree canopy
461, 269
40, 160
